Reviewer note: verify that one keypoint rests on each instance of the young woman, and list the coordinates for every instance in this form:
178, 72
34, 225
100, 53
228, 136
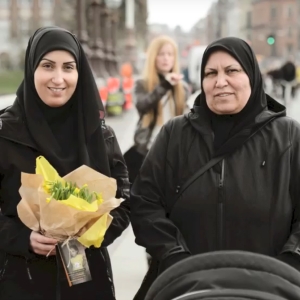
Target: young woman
57, 114
160, 95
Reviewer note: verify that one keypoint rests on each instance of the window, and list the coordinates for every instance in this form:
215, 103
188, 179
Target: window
290, 31
290, 11
249, 37
249, 19
46, 2
4, 3
289, 48
25, 2
273, 12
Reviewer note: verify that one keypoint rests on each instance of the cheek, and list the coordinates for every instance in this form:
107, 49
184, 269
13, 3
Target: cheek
40, 80
244, 90
207, 88
72, 80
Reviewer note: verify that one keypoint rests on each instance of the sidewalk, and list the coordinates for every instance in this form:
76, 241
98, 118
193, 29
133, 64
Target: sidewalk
6, 101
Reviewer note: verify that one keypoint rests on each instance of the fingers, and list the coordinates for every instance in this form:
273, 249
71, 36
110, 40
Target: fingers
174, 77
44, 253
45, 240
42, 245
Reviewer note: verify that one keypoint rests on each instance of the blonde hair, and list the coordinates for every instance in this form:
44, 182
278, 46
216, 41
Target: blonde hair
151, 78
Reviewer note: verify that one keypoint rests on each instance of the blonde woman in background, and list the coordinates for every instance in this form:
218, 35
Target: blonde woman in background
160, 95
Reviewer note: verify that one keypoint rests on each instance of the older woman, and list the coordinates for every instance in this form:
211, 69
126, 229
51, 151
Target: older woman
245, 153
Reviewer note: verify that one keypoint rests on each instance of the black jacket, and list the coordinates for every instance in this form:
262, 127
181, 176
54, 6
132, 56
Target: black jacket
16, 156
250, 201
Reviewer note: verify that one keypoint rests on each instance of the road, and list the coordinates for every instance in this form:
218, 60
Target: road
128, 259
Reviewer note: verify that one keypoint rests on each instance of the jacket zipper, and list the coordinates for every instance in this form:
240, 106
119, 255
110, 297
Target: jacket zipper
28, 269
221, 208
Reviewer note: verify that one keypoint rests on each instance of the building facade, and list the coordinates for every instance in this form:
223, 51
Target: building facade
20, 18
278, 19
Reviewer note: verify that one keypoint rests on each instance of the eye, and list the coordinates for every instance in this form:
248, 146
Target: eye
207, 74
47, 66
231, 71
69, 67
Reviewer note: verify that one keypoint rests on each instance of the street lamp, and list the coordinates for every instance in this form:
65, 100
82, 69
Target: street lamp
111, 37
113, 4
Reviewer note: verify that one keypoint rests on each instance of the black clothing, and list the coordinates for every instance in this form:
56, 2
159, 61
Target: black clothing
68, 137
288, 71
249, 203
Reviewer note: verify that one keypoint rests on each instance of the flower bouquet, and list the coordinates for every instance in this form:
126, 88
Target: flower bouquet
74, 209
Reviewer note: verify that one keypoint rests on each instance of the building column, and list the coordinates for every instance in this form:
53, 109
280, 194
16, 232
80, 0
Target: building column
97, 56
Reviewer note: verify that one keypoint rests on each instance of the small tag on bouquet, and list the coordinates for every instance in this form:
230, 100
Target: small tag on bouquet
75, 263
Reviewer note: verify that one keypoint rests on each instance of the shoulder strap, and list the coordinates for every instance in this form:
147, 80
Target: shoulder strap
200, 172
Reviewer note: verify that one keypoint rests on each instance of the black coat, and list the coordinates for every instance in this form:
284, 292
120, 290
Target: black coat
250, 201
24, 275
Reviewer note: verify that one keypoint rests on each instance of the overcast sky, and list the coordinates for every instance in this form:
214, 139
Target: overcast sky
177, 12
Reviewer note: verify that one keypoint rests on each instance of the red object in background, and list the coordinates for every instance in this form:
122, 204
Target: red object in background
113, 84
103, 91
127, 84
127, 87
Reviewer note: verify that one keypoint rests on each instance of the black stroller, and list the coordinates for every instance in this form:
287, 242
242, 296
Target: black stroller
227, 275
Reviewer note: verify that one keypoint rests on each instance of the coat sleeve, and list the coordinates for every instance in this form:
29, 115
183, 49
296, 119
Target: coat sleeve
14, 235
291, 250
152, 228
121, 214
145, 101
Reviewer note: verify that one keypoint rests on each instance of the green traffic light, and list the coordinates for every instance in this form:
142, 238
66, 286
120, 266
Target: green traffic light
271, 40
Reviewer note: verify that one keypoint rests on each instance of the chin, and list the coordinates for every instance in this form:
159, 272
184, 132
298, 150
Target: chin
56, 103
226, 110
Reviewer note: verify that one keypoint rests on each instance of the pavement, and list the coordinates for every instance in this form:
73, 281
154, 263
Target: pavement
129, 260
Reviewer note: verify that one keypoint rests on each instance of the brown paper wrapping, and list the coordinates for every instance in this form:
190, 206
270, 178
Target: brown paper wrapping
59, 221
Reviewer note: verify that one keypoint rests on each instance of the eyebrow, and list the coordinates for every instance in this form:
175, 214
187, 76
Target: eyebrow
69, 62
233, 65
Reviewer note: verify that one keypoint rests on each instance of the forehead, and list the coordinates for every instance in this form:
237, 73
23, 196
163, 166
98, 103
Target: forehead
221, 59
167, 47
59, 55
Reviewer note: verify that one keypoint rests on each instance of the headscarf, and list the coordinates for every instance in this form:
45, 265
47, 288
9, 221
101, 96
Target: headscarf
71, 135
227, 126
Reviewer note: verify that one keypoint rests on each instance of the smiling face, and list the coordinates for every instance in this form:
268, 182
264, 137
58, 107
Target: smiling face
55, 78
226, 85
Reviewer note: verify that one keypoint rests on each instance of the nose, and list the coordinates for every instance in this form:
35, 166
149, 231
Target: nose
221, 81
57, 78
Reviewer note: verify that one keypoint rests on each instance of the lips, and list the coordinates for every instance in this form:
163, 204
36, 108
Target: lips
223, 94
56, 90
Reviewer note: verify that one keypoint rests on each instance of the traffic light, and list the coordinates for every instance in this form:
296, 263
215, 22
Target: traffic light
271, 40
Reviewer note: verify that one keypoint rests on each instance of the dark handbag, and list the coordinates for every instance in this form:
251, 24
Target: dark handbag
142, 134
134, 160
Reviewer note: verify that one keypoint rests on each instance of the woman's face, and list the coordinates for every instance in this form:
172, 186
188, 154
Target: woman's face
73, 252
226, 85
165, 59
55, 78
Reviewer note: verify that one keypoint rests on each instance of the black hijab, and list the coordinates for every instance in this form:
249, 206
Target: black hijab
227, 126
71, 135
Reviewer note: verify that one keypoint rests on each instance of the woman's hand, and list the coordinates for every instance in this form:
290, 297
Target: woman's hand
42, 245
173, 78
